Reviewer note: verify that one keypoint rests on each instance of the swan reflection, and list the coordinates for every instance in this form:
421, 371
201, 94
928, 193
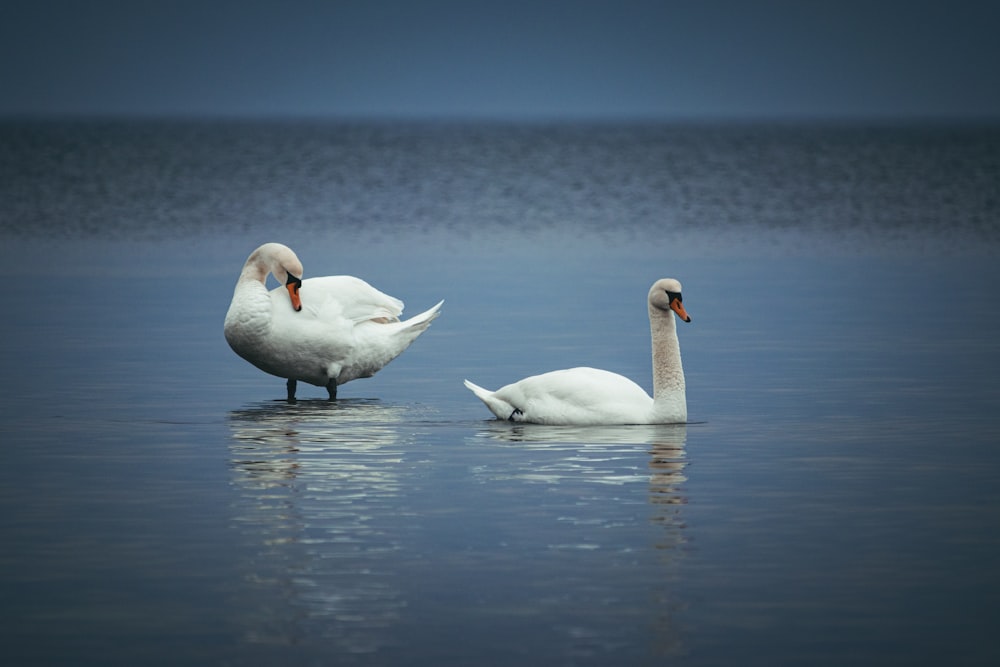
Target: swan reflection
601, 454
353, 530
650, 454
647, 461
313, 480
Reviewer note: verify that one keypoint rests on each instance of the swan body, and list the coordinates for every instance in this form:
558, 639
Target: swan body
589, 396
325, 331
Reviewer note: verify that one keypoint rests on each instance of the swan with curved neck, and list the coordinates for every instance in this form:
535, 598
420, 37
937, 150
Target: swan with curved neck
589, 396
324, 331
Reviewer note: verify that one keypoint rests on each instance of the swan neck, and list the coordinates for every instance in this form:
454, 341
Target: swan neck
668, 373
254, 270
249, 315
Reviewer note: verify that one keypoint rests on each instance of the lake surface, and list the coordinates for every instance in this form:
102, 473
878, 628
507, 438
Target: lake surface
834, 500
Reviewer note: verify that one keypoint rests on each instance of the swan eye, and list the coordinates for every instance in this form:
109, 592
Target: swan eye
292, 280
674, 295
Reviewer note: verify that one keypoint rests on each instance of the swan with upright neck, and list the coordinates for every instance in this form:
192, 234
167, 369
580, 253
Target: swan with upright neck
589, 396
324, 331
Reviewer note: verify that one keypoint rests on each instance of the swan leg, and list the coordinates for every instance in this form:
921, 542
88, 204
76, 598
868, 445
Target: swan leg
291, 390
517, 411
331, 388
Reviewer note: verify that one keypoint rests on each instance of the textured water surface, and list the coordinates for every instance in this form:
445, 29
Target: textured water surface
831, 501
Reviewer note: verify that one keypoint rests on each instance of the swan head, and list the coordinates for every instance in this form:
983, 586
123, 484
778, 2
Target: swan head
283, 264
665, 294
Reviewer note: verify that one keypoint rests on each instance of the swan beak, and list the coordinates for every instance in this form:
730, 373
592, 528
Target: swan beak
293, 292
678, 308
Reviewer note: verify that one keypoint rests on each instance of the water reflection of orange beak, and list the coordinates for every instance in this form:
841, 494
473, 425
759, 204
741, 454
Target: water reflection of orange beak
678, 308
293, 292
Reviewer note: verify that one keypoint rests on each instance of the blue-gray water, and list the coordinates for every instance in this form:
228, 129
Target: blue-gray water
835, 499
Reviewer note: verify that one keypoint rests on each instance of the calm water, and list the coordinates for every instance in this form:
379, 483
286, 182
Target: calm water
835, 499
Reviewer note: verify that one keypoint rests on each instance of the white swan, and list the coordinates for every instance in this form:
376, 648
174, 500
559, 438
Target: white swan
324, 331
588, 396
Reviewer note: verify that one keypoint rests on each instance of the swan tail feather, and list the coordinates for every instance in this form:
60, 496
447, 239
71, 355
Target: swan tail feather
424, 319
405, 332
499, 407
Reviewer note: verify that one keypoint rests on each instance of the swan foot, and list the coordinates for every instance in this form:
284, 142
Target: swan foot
331, 388
517, 412
291, 390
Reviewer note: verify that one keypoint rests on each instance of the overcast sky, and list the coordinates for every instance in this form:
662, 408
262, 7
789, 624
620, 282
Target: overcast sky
502, 58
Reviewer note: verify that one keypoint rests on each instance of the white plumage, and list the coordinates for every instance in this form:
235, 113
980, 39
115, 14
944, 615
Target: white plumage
345, 328
589, 396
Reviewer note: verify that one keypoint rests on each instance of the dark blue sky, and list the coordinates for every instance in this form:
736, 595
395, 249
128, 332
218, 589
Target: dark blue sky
502, 58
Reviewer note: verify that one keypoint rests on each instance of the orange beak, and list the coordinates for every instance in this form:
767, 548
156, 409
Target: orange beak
678, 308
293, 292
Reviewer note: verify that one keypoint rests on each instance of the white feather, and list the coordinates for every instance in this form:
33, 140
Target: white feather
589, 396
346, 329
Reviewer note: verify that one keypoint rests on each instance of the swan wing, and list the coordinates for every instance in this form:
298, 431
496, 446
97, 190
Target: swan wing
331, 298
572, 396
